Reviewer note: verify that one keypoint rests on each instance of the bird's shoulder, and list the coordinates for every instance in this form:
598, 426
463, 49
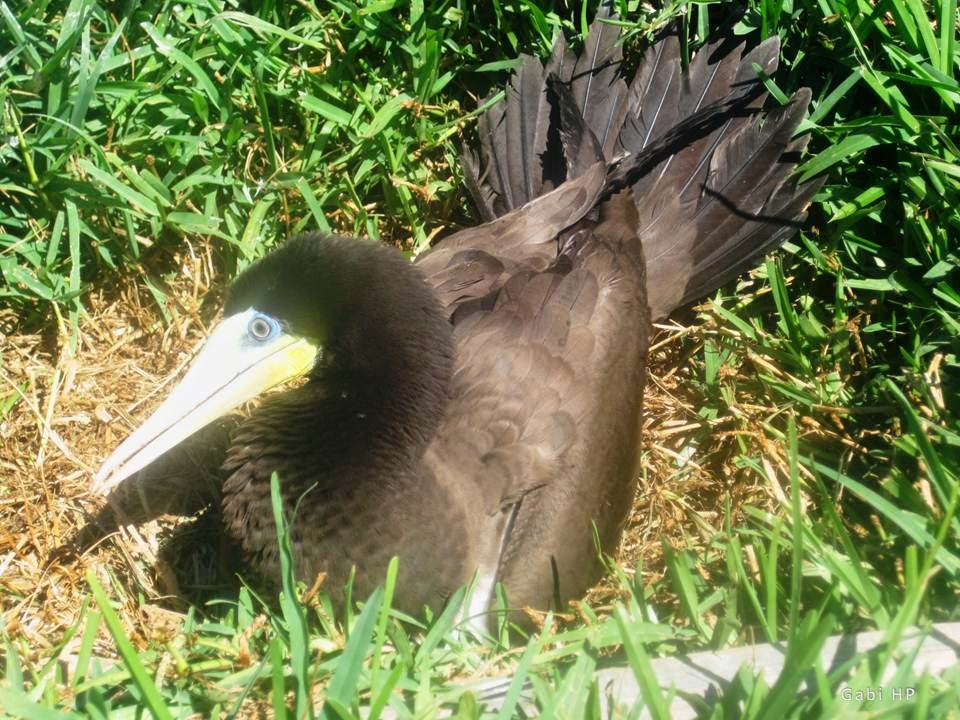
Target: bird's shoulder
530, 352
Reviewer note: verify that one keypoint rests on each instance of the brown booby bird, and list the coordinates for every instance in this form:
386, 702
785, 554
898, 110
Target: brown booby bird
478, 410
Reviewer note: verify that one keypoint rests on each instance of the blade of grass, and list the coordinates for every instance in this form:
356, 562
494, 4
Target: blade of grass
294, 615
520, 672
128, 654
653, 697
343, 687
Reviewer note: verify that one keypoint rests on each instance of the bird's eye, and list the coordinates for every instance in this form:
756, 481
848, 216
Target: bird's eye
260, 328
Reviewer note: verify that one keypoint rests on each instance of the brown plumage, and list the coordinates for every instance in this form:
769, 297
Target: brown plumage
479, 410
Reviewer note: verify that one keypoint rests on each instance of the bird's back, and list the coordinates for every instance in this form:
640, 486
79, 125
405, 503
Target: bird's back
606, 205
542, 428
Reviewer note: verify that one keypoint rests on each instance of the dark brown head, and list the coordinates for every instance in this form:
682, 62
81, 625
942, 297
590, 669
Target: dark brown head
353, 315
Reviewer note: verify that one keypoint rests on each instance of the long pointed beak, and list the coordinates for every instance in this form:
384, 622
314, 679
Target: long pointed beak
231, 369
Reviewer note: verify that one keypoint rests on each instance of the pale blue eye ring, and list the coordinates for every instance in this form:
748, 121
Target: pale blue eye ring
261, 327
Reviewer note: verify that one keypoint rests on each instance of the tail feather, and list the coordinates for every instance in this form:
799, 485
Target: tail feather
710, 176
728, 80
514, 136
653, 88
483, 193
493, 153
528, 117
581, 147
745, 173
562, 60
747, 164
513, 139
766, 56
599, 90
752, 241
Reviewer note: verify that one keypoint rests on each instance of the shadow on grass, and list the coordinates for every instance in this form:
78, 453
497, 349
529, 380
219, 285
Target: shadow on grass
195, 562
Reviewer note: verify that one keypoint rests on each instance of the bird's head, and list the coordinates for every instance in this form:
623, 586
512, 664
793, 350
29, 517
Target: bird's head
314, 299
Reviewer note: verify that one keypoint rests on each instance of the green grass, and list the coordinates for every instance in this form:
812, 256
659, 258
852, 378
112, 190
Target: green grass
132, 129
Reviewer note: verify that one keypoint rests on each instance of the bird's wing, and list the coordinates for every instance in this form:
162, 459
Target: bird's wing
546, 385
514, 410
474, 262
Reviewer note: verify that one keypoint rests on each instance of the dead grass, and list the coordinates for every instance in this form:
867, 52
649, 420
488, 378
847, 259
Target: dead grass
77, 406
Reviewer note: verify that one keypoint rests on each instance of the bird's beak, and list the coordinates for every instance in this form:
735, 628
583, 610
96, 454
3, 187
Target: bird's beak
229, 370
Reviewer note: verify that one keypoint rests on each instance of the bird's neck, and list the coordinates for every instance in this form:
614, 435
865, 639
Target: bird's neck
380, 412
380, 386
386, 368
